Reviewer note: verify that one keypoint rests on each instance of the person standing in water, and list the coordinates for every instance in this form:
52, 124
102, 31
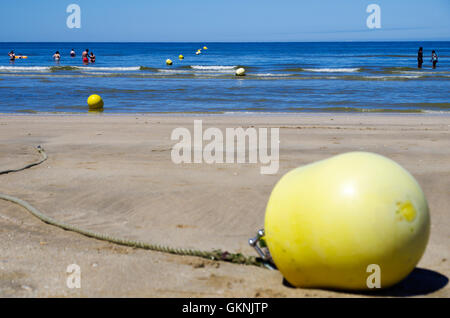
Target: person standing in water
434, 58
92, 57
85, 56
72, 53
12, 56
57, 56
420, 57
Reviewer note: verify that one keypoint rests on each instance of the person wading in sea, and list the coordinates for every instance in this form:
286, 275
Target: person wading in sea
434, 58
57, 56
12, 56
85, 57
92, 57
420, 57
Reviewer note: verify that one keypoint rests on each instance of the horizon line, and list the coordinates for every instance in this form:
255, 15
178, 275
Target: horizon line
345, 41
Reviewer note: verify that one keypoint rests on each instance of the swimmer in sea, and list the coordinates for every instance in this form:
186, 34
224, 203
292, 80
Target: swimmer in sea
85, 56
92, 57
12, 56
420, 58
57, 56
434, 58
72, 53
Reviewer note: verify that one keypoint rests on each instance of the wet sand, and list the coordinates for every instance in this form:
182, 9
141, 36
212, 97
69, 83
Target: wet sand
114, 174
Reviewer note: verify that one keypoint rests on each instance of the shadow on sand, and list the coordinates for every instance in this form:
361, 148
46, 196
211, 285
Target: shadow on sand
420, 282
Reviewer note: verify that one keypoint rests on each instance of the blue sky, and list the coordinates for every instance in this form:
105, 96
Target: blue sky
224, 20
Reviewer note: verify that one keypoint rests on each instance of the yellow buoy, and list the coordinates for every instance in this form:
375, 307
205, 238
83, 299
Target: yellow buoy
95, 103
329, 224
181, 57
169, 62
240, 71
205, 48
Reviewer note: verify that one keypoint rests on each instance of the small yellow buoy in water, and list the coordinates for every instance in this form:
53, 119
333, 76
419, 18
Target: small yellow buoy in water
95, 103
169, 62
336, 222
181, 57
205, 48
240, 71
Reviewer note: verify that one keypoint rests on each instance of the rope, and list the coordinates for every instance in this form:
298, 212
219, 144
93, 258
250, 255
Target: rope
215, 255
43, 155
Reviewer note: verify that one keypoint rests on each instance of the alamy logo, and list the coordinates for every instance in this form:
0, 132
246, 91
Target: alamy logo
374, 279
74, 278
374, 19
216, 151
74, 19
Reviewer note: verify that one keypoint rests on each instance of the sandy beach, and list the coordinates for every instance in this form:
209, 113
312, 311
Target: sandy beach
114, 174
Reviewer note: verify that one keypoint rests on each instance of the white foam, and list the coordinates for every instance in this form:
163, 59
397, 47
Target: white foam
332, 70
392, 77
174, 71
198, 70
428, 111
25, 68
61, 68
271, 74
100, 73
94, 68
213, 67
422, 73
409, 76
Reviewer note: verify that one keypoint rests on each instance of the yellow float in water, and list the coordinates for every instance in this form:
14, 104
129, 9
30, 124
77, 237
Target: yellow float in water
95, 103
169, 62
181, 57
205, 48
240, 71
326, 222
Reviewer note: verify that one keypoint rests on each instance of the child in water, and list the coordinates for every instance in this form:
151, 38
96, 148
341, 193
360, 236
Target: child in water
420, 57
434, 58
92, 57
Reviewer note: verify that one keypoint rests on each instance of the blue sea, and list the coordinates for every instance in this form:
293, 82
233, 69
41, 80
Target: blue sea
280, 78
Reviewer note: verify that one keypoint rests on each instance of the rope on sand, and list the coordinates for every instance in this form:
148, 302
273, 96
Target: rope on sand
215, 255
43, 155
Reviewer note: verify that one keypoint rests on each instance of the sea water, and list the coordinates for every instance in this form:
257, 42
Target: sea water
280, 78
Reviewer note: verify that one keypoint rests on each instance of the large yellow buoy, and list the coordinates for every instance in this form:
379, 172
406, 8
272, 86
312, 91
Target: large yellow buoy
95, 103
181, 57
328, 222
169, 62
